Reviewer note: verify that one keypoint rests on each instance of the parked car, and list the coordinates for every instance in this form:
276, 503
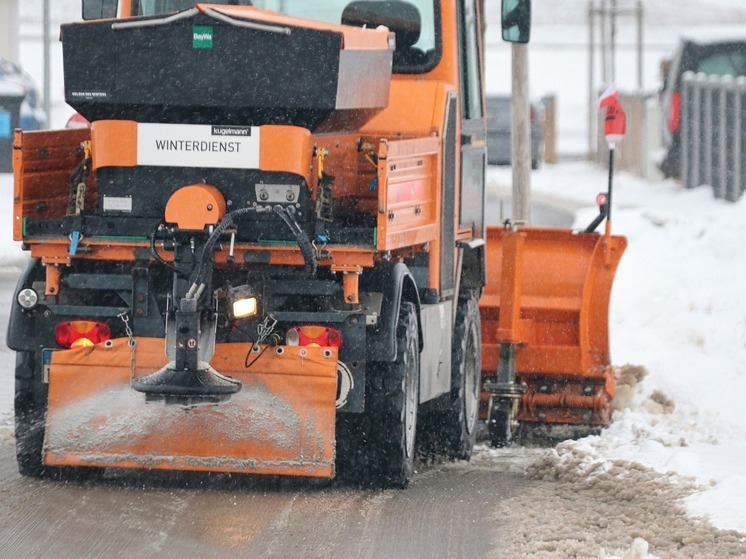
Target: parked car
499, 135
14, 81
715, 51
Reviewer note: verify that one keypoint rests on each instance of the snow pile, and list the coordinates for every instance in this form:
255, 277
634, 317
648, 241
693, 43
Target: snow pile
632, 502
638, 550
581, 502
648, 419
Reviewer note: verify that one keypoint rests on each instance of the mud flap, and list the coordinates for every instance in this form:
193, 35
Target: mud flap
280, 423
547, 296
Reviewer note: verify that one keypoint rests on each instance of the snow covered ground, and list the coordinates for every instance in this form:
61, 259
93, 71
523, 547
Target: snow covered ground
678, 314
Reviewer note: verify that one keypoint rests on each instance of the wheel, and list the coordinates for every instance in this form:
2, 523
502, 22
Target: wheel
30, 419
354, 455
392, 401
30, 409
455, 429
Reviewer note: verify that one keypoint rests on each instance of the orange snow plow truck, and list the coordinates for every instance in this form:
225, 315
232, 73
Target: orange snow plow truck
267, 254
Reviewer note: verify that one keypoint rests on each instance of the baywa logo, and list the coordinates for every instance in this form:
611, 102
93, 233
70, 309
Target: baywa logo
202, 37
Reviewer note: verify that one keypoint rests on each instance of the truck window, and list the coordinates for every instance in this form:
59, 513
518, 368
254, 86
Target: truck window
155, 7
413, 21
471, 96
724, 63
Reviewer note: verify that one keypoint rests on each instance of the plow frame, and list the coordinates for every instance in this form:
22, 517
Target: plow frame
545, 316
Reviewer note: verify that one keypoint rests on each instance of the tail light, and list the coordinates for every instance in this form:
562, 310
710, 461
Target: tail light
674, 114
81, 333
312, 335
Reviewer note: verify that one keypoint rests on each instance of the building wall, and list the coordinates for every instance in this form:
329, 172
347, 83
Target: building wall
9, 29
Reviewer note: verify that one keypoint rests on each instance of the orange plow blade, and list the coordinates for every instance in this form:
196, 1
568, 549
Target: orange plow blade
280, 423
544, 315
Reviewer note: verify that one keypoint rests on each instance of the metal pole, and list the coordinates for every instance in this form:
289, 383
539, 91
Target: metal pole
738, 126
612, 149
591, 78
47, 67
521, 134
726, 83
709, 92
604, 44
696, 138
612, 47
639, 46
686, 136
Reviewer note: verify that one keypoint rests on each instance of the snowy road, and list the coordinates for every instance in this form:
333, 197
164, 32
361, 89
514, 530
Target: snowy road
487, 509
448, 511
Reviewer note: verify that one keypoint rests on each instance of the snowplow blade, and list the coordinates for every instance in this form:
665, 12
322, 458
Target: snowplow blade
547, 296
280, 423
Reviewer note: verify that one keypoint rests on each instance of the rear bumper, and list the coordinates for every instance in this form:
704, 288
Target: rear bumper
280, 423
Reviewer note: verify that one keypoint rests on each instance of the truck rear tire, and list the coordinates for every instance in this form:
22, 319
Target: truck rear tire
30, 420
392, 405
30, 410
452, 431
460, 425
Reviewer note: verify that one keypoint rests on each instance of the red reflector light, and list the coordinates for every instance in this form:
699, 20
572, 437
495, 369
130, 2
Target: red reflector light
77, 121
601, 199
674, 115
312, 335
81, 333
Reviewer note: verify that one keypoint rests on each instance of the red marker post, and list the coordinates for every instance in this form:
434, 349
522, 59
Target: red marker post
615, 125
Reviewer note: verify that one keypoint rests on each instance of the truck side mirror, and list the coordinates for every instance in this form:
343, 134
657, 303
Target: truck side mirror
516, 20
99, 9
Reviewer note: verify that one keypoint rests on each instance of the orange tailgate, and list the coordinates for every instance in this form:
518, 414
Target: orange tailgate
280, 423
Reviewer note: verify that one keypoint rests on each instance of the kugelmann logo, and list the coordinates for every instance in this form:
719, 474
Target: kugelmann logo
202, 37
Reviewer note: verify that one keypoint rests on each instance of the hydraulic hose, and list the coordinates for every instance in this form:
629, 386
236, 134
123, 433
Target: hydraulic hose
159, 259
220, 228
304, 243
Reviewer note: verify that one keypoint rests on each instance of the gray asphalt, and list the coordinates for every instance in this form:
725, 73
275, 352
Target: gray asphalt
448, 511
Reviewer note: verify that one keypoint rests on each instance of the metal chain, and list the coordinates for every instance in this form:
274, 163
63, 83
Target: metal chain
264, 329
130, 342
